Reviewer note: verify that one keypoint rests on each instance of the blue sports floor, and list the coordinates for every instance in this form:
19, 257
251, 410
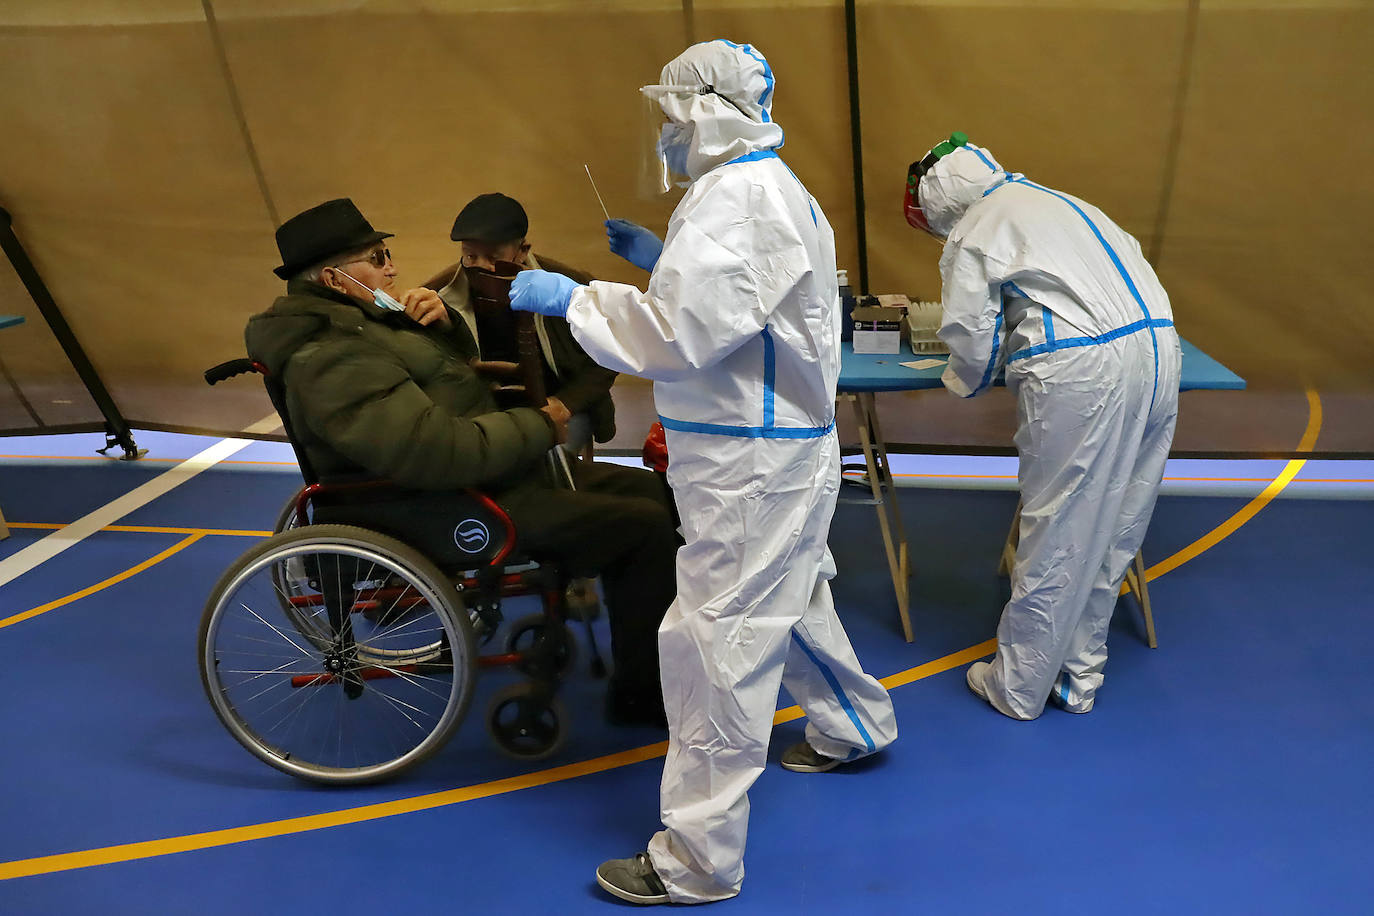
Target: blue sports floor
1228, 771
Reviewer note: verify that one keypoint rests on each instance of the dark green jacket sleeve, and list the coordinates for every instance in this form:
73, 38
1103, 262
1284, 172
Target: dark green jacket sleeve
366, 406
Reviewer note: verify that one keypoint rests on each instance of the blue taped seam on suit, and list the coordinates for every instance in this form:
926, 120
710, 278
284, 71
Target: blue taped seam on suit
979, 153
992, 359
1066, 343
767, 72
768, 430
1049, 325
747, 432
1018, 290
1111, 252
769, 369
1120, 268
810, 201
755, 156
839, 691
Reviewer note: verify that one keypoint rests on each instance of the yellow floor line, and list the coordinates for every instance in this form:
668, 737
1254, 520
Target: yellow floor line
152, 848
132, 571
1247, 512
107, 855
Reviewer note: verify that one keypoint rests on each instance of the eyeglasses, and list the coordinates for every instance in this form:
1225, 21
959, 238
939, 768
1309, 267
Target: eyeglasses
377, 258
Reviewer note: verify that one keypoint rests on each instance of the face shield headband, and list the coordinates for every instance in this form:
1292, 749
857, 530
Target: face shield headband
658, 92
911, 202
669, 140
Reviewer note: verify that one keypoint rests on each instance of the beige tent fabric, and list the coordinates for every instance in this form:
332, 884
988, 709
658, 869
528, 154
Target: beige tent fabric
153, 146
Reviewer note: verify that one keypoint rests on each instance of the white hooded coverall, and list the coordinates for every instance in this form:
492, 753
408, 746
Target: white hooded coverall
1046, 286
739, 330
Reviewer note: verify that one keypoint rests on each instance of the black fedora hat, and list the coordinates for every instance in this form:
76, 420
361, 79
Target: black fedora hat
310, 237
491, 218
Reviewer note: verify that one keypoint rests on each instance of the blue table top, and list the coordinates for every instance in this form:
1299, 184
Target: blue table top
885, 372
7, 320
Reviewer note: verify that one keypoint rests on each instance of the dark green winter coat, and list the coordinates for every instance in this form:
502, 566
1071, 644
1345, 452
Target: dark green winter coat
370, 391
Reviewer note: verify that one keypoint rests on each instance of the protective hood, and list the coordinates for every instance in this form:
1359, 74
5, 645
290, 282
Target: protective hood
956, 182
271, 337
729, 107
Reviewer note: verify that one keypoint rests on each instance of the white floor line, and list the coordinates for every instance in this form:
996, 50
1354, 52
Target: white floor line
41, 551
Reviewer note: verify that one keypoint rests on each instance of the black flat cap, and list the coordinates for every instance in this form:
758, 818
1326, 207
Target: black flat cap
491, 218
310, 237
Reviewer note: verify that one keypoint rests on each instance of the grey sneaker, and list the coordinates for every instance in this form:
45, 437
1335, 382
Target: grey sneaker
803, 758
632, 879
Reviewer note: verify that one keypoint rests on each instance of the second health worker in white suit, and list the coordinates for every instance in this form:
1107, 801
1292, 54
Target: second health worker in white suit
739, 330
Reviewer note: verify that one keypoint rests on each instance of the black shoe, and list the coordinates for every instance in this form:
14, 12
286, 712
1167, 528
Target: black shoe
632, 879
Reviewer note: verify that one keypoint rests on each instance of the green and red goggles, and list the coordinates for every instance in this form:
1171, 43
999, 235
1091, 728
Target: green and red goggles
911, 202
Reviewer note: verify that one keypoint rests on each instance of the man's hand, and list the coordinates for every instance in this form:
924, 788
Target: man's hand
556, 412
559, 411
425, 307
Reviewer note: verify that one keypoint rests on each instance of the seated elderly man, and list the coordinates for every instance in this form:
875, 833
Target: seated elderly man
383, 386
493, 230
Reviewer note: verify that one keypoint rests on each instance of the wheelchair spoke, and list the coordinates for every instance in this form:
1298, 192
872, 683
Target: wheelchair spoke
292, 713
273, 628
337, 654
416, 681
257, 672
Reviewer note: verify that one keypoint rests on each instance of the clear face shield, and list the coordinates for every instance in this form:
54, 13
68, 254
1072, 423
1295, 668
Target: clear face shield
666, 141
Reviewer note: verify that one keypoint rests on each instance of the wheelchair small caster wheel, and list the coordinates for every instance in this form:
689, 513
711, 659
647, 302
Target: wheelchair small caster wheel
524, 725
527, 633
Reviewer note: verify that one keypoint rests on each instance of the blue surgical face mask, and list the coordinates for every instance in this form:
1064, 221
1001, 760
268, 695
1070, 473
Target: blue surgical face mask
380, 297
674, 142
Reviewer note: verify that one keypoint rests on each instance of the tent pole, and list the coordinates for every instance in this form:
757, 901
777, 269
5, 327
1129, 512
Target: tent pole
116, 428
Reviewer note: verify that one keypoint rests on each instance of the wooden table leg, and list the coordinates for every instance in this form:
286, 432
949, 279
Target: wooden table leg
1135, 575
883, 488
1135, 581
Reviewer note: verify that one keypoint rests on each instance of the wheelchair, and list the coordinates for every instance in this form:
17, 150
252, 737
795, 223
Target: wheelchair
343, 649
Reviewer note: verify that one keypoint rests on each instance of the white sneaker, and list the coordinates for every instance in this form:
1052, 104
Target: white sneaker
974, 677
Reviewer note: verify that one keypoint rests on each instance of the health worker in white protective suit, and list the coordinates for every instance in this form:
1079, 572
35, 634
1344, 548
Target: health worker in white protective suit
739, 330
1046, 287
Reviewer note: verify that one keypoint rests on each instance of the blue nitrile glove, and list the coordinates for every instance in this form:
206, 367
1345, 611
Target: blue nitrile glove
634, 243
542, 291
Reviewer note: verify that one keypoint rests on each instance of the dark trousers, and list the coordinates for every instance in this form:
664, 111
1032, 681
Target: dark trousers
619, 524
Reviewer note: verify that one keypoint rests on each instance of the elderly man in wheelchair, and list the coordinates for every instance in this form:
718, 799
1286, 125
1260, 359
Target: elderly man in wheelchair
343, 649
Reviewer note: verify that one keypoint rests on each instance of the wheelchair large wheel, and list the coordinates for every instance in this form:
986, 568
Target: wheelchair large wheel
289, 576
377, 680
288, 519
